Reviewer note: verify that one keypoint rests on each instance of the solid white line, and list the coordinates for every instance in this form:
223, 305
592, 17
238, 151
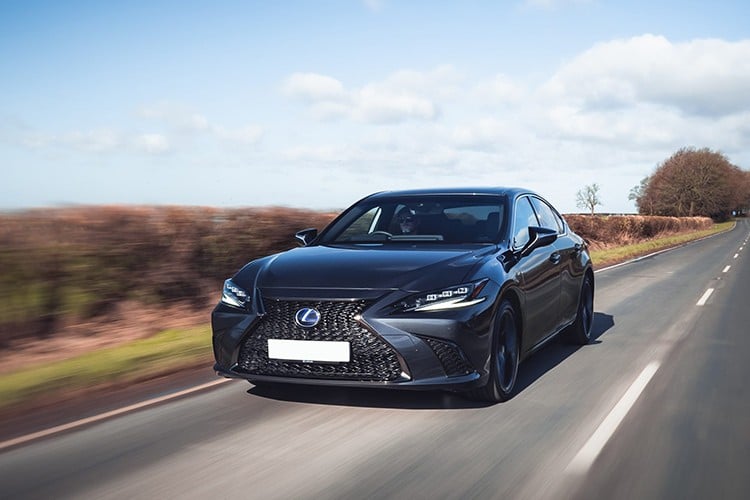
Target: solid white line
704, 298
103, 416
586, 455
726, 269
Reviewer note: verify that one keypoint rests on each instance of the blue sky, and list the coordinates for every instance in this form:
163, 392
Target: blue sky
316, 104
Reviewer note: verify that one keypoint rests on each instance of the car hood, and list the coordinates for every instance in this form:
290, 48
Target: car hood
365, 268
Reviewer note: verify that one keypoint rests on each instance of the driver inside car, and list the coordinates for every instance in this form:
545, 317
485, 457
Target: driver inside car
408, 221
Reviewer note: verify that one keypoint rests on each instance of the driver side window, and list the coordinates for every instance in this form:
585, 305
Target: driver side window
523, 218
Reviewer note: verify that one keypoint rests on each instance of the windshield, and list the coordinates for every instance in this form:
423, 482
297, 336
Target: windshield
453, 219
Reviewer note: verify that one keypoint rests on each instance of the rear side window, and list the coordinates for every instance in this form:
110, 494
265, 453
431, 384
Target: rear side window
547, 217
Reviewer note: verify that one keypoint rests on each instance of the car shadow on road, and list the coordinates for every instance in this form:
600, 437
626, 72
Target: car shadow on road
554, 353
531, 370
365, 397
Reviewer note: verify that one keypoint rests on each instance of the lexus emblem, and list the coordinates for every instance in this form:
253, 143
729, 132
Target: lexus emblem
307, 317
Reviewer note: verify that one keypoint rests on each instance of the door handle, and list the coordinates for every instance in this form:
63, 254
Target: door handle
555, 258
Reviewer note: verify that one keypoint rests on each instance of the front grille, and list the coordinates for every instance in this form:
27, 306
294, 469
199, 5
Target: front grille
372, 358
450, 357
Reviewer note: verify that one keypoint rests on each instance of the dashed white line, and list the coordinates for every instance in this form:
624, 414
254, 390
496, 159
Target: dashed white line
586, 455
726, 269
96, 418
735, 256
702, 301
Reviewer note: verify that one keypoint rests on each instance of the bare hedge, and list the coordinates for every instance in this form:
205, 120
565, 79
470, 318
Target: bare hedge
616, 230
77, 264
82, 261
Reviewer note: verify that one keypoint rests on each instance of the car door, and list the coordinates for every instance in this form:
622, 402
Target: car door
539, 276
567, 252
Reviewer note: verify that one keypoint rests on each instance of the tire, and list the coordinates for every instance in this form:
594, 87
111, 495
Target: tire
504, 358
580, 331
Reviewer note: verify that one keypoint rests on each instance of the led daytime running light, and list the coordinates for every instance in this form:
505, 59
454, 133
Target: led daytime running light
234, 295
448, 298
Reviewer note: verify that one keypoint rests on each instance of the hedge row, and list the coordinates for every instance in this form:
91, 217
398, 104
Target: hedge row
80, 262
77, 264
616, 230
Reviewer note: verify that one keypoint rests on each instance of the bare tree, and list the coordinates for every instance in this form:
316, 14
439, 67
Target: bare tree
588, 197
638, 195
694, 182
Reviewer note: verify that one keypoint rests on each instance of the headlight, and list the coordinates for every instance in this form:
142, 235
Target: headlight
447, 298
234, 295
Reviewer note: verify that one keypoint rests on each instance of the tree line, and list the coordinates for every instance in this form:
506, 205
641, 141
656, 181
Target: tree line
692, 182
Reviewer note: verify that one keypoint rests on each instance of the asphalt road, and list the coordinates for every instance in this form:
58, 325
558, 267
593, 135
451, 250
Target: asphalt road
657, 407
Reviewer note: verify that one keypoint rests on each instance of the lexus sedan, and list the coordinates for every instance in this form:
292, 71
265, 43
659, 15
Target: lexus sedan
424, 289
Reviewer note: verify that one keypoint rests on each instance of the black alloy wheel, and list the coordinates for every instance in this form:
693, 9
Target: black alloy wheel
580, 331
505, 358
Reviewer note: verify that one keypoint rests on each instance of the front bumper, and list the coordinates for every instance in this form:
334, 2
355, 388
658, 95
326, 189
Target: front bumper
416, 350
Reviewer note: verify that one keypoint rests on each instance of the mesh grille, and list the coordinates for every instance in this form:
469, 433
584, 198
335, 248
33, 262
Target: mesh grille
450, 357
372, 359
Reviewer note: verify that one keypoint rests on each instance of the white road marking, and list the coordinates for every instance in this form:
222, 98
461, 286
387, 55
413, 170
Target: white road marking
704, 298
735, 256
726, 269
102, 416
586, 455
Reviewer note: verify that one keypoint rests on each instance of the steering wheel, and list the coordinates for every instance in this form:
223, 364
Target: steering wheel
382, 233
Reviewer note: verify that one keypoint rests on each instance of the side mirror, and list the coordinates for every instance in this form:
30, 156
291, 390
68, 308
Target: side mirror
538, 237
306, 236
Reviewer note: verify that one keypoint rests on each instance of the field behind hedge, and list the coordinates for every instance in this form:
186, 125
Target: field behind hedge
94, 270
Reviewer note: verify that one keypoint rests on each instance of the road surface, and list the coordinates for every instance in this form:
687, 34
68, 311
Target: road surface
658, 406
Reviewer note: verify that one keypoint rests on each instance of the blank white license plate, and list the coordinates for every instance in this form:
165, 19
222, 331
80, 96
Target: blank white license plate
309, 350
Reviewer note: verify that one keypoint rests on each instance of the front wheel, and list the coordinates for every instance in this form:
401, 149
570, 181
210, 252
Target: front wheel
580, 331
504, 358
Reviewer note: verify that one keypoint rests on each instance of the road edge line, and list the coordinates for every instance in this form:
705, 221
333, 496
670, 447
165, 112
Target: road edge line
664, 250
103, 416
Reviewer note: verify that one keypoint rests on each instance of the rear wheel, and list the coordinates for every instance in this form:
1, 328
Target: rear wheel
580, 331
504, 358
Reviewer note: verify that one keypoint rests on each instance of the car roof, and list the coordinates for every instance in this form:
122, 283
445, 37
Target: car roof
511, 192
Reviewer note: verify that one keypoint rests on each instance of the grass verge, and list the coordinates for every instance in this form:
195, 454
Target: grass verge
161, 353
610, 256
175, 349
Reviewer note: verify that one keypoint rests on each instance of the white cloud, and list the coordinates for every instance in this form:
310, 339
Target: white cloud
382, 105
700, 77
152, 143
313, 87
485, 134
184, 121
91, 141
403, 96
95, 141
501, 89
175, 115
250, 134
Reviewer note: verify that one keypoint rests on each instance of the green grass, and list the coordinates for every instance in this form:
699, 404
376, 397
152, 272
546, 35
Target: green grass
620, 254
163, 352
